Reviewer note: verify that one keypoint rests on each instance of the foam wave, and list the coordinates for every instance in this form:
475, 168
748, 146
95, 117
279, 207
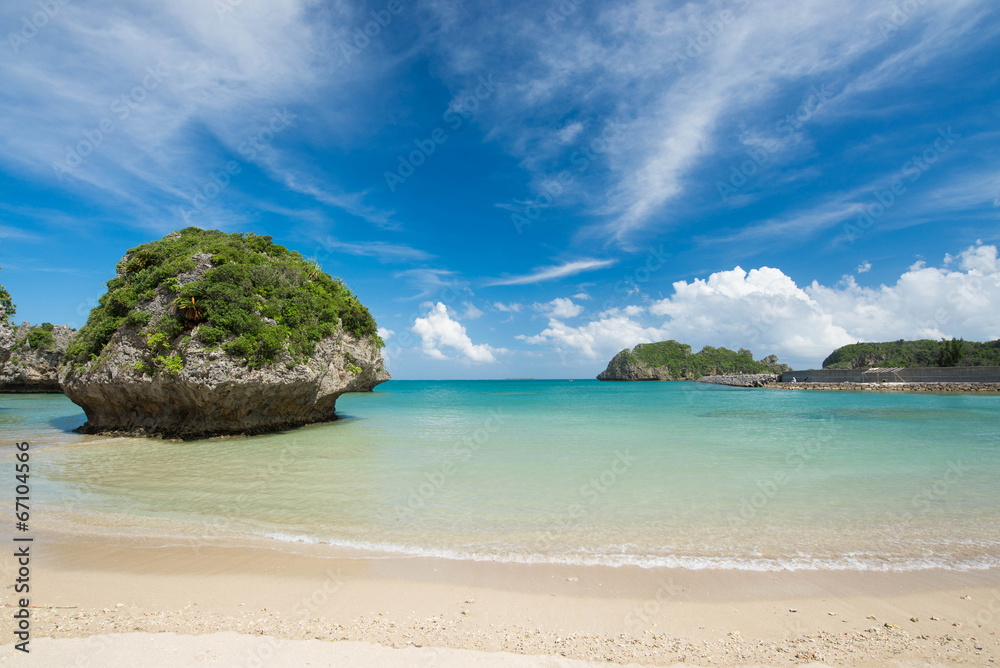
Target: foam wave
847, 562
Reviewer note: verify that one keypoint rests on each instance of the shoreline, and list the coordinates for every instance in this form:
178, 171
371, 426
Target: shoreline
610, 614
889, 387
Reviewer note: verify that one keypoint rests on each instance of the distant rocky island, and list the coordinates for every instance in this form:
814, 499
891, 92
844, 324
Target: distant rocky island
670, 360
200, 334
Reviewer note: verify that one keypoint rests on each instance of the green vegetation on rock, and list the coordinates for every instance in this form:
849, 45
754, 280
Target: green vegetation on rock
709, 361
256, 300
7, 303
40, 338
921, 353
672, 360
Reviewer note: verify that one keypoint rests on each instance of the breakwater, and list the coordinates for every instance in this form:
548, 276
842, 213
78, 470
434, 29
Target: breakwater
890, 387
743, 380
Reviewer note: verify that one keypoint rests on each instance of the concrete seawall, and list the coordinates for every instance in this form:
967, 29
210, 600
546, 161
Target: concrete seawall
956, 374
890, 387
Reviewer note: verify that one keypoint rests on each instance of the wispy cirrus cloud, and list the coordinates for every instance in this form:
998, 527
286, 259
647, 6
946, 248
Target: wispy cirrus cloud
685, 81
553, 272
380, 250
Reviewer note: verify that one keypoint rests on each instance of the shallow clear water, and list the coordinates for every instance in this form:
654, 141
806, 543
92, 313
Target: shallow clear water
674, 474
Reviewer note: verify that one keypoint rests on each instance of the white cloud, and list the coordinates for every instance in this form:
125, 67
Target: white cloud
864, 267
438, 330
560, 307
766, 311
978, 258
570, 132
557, 271
471, 312
926, 302
762, 309
385, 333
507, 308
597, 339
582, 296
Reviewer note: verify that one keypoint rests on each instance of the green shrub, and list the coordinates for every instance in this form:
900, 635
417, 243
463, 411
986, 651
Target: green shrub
138, 319
251, 278
157, 342
172, 364
239, 347
7, 303
40, 338
211, 335
354, 369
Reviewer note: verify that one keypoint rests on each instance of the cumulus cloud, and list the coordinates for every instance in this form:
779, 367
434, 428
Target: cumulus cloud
560, 307
765, 310
864, 267
595, 339
437, 330
384, 333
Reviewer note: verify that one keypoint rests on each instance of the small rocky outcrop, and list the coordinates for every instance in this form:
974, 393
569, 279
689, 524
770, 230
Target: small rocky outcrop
670, 360
30, 356
215, 395
625, 366
215, 334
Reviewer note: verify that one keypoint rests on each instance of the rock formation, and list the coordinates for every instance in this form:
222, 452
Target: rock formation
670, 360
625, 366
205, 334
30, 357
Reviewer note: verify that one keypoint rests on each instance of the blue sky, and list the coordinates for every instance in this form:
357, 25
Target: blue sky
523, 189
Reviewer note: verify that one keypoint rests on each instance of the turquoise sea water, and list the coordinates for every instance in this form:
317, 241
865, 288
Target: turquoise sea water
653, 474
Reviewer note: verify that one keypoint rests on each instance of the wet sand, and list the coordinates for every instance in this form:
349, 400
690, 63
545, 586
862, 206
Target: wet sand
96, 585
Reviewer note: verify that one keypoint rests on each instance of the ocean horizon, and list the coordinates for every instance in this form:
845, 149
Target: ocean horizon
671, 474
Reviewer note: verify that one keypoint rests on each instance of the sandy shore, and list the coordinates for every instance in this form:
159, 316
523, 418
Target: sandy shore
94, 586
